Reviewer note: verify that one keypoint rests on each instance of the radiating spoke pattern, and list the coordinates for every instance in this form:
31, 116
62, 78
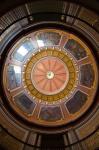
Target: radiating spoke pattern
50, 75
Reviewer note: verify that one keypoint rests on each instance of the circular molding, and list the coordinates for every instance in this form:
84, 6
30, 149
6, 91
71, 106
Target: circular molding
50, 74
63, 87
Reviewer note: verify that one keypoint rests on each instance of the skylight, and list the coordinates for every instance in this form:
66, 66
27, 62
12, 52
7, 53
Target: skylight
40, 43
17, 69
22, 51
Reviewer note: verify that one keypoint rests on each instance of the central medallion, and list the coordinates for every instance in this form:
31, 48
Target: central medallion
50, 75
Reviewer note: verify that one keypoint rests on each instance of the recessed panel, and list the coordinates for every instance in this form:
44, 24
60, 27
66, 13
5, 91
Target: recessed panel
48, 39
87, 75
14, 77
76, 103
22, 50
24, 103
75, 49
50, 113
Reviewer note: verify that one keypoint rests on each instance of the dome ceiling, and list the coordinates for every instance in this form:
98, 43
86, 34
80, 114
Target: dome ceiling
51, 77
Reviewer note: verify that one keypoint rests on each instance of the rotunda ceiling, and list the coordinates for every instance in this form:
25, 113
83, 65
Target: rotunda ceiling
50, 77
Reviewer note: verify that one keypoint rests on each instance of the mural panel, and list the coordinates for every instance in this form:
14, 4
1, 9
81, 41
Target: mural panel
48, 39
14, 77
76, 103
24, 103
75, 49
23, 50
50, 113
87, 75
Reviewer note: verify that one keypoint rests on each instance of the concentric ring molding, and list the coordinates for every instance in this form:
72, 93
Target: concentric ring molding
65, 105
59, 95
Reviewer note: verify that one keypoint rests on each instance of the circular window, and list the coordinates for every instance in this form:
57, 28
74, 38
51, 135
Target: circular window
50, 77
